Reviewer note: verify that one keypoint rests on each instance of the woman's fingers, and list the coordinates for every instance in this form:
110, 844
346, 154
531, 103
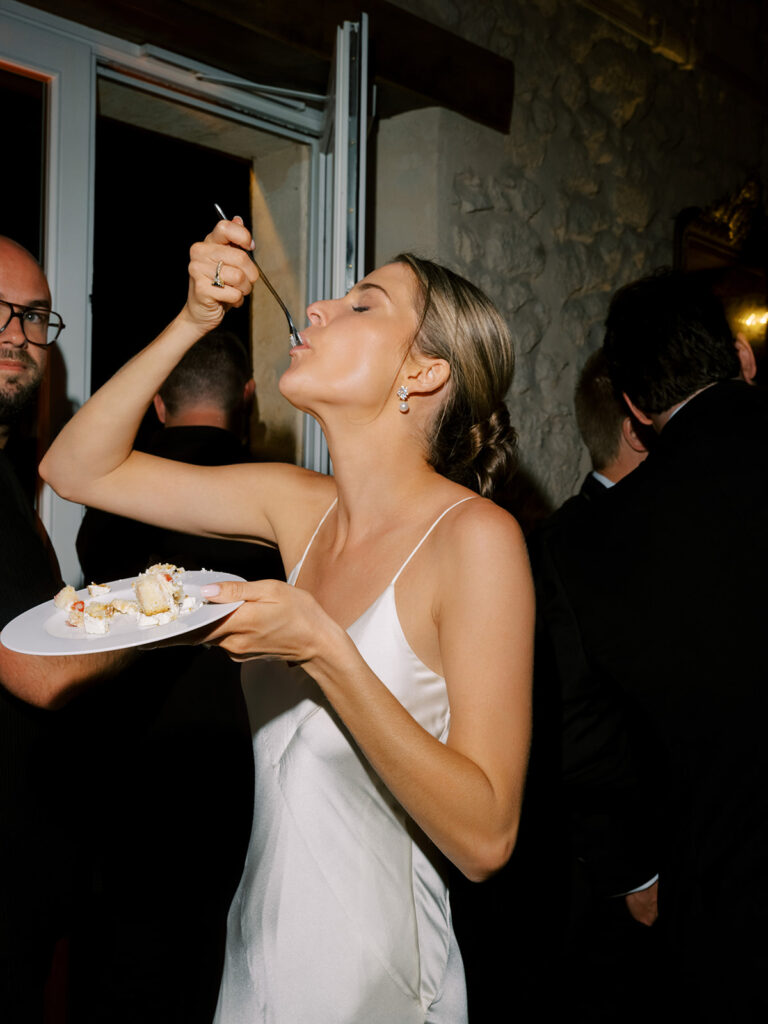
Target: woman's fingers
232, 232
237, 240
236, 590
253, 626
221, 273
220, 277
272, 621
237, 268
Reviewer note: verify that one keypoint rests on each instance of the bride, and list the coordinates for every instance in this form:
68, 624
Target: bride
388, 682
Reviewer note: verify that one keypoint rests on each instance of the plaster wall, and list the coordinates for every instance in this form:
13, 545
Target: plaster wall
280, 219
608, 142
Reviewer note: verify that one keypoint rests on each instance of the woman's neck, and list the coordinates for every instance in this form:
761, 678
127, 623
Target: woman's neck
378, 479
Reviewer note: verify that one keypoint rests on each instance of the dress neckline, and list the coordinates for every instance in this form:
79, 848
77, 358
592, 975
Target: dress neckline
294, 573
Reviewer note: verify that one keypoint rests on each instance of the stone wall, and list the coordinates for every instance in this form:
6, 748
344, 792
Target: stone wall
608, 143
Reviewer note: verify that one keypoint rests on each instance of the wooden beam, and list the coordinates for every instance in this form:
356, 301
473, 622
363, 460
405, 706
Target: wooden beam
444, 69
408, 52
292, 44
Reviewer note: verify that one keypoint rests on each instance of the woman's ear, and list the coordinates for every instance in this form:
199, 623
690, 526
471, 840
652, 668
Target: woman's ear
428, 375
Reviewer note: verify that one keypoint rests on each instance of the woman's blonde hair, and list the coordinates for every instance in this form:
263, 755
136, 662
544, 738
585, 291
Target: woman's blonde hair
472, 440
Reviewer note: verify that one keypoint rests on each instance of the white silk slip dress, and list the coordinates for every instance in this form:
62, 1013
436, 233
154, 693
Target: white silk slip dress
342, 913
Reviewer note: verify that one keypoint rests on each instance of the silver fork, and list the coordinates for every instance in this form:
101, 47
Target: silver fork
294, 334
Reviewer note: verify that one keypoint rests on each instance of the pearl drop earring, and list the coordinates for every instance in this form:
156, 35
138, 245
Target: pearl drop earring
402, 394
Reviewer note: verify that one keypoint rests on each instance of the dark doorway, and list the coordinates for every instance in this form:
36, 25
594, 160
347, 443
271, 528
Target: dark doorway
22, 102
23, 107
154, 198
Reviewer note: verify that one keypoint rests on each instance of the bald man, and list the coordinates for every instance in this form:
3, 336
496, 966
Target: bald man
27, 327
38, 859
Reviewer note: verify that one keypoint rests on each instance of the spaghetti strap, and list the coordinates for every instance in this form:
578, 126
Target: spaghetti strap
444, 513
294, 574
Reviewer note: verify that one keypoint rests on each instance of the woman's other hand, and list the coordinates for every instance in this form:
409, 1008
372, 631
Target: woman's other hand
276, 620
221, 274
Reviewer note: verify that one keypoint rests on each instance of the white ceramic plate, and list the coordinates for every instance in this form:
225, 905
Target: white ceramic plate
44, 629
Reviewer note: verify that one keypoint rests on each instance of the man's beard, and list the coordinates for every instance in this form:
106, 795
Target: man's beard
18, 392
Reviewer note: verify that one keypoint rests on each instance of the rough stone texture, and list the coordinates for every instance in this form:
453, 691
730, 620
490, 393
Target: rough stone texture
608, 143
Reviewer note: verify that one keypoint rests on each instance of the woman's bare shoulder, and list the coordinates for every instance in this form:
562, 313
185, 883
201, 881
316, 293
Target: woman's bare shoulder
480, 541
478, 523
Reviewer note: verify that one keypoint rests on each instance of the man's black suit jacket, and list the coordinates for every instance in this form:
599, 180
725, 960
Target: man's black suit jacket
666, 582
609, 822
38, 848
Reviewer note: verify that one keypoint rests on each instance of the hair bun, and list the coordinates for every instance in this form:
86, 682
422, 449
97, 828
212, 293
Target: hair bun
493, 451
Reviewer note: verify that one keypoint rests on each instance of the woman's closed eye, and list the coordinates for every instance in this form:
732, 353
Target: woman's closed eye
360, 309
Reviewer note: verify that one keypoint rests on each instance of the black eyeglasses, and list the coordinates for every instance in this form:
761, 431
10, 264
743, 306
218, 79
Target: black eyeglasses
39, 326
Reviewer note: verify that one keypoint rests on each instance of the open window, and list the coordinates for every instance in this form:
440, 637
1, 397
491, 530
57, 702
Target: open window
159, 139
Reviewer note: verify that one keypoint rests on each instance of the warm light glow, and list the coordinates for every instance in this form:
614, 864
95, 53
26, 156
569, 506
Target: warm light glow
757, 318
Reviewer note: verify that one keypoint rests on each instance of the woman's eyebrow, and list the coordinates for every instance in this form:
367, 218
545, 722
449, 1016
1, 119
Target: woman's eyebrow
366, 285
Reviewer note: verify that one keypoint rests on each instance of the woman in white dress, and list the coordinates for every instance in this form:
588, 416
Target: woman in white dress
390, 702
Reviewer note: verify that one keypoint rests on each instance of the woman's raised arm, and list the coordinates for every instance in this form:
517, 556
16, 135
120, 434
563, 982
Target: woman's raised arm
92, 460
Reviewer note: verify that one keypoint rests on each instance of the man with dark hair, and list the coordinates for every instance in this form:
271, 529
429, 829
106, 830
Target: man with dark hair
667, 338
174, 794
612, 865
665, 584
609, 839
615, 442
214, 378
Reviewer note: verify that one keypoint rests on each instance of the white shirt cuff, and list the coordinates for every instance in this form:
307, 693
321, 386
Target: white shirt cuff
640, 888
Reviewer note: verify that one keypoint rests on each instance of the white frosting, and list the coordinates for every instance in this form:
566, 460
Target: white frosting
96, 618
161, 619
95, 624
160, 599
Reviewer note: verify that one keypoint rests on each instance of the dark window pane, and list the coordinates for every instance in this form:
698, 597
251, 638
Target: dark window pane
154, 198
22, 104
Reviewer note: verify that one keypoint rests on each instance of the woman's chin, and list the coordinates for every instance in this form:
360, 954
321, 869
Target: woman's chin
285, 384
292, 391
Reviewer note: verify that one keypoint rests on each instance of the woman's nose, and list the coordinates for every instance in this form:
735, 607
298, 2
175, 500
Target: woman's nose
317, 312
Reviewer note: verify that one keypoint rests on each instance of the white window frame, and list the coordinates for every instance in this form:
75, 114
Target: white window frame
340, 192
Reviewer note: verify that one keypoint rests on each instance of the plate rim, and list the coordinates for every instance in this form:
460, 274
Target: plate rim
98, 644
